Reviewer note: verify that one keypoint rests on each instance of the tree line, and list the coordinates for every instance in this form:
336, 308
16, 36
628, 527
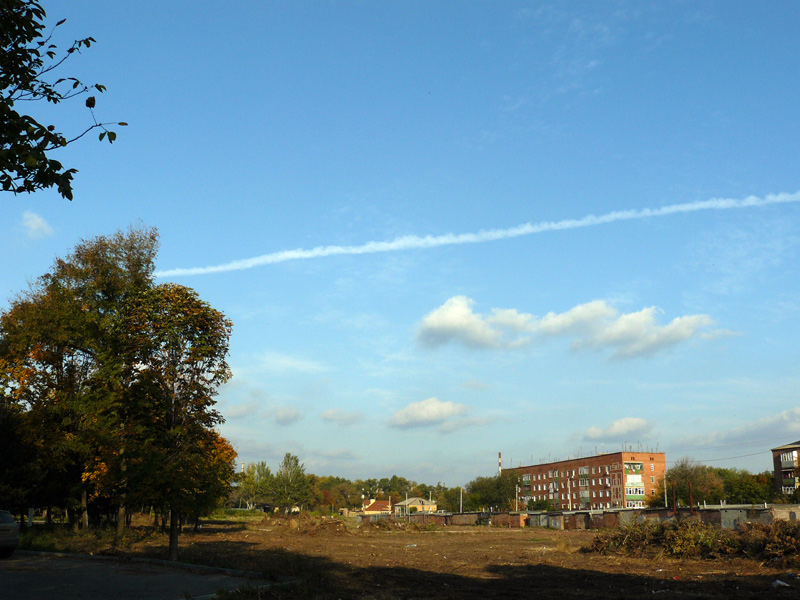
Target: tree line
291, 488
107, 390
694, 483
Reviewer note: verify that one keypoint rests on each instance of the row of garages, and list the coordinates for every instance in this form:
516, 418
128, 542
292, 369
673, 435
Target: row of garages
725, 516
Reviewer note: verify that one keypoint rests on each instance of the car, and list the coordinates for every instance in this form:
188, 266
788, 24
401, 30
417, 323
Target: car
9, 534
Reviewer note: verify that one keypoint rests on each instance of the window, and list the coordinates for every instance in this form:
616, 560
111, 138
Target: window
652, 467
526, 478
652, 479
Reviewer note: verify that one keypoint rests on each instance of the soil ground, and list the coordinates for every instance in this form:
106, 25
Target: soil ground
334, 559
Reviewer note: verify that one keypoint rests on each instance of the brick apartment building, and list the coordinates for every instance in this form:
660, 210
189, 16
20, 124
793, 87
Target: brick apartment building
615, 480
787, 467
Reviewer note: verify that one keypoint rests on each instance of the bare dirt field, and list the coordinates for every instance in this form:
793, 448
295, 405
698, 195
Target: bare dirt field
333, 559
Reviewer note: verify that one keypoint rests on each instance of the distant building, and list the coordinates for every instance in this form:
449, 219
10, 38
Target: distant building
414, 505
787, 467
615, 480
378, 507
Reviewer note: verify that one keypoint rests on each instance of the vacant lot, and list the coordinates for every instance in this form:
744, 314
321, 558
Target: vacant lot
333, 559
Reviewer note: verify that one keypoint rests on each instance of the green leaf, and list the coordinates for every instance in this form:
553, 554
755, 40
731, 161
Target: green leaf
111, 137
123, 123
102, 135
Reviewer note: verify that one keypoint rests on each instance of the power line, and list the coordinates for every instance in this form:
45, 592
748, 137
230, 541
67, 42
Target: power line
719, 459
747, 443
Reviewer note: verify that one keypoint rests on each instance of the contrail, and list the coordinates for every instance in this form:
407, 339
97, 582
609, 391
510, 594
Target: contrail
409, 242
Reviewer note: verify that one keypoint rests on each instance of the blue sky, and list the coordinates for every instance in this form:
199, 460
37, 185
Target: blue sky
414, 214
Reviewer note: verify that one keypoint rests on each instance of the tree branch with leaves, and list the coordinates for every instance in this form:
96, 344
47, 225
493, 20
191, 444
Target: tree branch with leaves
28, 59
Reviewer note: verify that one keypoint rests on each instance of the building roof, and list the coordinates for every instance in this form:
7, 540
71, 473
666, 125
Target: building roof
792, 446
379, 506
416, 501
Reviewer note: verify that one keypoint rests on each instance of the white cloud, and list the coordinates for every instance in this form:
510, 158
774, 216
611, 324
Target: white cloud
619, 431
638, 334
770, 431
286, 415
581, 318
427, 413
454, 320
592, 325
35, 225
342, 417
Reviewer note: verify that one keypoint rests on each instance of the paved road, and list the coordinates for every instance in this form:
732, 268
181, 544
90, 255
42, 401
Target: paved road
48, 577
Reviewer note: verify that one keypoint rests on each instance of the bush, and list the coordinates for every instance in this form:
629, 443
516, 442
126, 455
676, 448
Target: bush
691, 538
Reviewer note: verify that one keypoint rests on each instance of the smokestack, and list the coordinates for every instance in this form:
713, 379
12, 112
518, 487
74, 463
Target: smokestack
499, 463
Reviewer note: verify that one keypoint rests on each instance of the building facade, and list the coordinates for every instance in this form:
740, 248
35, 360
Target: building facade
414, 505
615, 480
786, 467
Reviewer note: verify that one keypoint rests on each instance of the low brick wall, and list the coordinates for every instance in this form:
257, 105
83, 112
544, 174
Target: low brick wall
464, 518
427, 518
509, 519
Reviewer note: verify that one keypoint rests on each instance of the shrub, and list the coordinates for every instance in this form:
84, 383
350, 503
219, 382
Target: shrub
691, 538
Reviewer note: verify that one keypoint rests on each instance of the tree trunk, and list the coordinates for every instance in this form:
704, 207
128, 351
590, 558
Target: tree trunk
173, 535
120, 523
84, 510
72, 518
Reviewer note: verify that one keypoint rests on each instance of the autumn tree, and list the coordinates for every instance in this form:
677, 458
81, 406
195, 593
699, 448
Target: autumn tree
59, 359
114, 380
28, 61
178, 359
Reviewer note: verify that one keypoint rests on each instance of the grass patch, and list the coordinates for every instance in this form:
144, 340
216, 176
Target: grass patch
61, 538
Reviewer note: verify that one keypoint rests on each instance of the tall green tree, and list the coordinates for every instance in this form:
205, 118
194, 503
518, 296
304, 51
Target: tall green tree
291, 487
28, 59
255, 485
495, 493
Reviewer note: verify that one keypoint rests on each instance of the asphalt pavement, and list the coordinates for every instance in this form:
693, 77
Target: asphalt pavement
47, 576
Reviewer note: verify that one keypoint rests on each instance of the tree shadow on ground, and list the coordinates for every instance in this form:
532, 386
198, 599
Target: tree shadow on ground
320, 577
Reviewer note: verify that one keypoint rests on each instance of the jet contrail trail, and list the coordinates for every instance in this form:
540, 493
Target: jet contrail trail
409, 242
